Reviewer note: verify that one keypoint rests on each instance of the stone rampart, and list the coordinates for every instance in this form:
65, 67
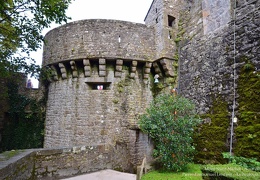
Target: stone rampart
62, 162
99, 38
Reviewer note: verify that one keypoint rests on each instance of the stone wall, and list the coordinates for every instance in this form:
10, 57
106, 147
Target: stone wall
164, 17
99, 38
64, 162
207, 67
80, 114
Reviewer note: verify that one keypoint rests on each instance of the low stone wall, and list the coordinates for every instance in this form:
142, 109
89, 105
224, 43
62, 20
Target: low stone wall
60, 163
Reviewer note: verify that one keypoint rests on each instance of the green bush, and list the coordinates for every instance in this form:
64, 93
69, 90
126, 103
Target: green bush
169, 122
24, 126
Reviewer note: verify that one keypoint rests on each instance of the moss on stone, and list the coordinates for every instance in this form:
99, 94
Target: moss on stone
210, 137
247, 133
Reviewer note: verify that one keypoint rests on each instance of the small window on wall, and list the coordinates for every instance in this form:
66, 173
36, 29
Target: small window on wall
99, 86
171, 21
156, 20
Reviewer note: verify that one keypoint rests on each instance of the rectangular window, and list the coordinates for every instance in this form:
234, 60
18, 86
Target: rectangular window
99, 85
171, 21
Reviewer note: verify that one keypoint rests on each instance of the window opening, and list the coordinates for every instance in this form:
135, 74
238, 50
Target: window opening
169, 35
156, 10
171, 21
99, 85
156, 20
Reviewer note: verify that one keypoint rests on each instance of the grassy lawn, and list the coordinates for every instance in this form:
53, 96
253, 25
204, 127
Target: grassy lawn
193, 172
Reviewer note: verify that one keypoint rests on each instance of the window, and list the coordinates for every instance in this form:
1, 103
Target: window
99, 85
171, 21
156, 20
169, 35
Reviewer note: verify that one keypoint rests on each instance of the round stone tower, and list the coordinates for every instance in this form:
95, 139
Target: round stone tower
100, 85
103, 80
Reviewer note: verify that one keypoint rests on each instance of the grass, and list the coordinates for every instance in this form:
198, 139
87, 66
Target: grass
193, 172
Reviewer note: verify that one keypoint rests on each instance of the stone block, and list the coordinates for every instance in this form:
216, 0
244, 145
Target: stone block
75, 74
148, 65
132, 75
102, 67
102, 61
87, 73
134, 63
147, 70
102, 73
119, 62
118, 74
119, 68
86, 62
87, 68
146, 76
133, 69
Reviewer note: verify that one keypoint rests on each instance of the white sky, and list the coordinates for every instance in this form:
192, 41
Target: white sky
126, 10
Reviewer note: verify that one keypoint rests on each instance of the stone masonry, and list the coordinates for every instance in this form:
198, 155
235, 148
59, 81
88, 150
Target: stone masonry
102, 70
102, 78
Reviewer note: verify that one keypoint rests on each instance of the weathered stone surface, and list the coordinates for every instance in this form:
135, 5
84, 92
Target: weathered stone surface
121, 57
99, 38
65, 162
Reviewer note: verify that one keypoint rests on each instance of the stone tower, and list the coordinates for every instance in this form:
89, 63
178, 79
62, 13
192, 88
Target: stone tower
103, 80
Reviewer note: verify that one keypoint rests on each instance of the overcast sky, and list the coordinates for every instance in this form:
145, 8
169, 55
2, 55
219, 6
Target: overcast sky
126, 10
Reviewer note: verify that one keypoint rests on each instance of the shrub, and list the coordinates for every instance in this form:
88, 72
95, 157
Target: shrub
169, 121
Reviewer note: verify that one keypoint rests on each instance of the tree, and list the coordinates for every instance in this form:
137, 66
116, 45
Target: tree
21, 24
169, 121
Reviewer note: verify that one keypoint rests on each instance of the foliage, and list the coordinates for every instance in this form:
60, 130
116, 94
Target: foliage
169, 122
24, 126
249, 163
192, 172
21, 24
228, 171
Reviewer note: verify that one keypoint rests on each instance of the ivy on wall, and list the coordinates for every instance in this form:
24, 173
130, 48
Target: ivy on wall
24, 124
